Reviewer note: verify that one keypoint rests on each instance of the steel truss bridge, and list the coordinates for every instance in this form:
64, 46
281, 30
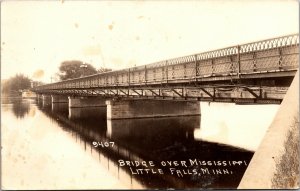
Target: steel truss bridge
257, 72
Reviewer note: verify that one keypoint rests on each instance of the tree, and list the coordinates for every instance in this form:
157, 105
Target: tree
15, 84
75, 69
20, 108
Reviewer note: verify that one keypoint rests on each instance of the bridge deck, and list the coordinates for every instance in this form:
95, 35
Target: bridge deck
239, 69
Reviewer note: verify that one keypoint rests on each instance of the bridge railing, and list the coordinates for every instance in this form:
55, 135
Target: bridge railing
276, 54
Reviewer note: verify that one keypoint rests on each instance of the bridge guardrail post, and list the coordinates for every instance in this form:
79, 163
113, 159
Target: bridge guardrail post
280, 58
129, 77
196, 68
145, 75
238, 60
166, 65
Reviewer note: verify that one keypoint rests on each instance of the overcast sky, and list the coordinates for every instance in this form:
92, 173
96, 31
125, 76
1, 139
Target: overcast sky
37, 36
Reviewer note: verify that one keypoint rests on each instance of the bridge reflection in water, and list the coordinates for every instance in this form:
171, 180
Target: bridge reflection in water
157, 140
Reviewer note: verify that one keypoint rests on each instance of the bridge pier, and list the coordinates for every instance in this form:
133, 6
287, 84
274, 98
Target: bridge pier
59, 99
39, 98
46, 100
132, 109
149, 128
59, 106
86, 112
86, 102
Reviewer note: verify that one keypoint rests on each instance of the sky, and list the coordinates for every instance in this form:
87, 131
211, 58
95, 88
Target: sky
36, 36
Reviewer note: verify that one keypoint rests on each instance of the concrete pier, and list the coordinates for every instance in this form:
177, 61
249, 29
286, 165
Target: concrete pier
150, 128
59, 99
86, 102
46, 100
131, 109
57, 107
39, 98
87, 112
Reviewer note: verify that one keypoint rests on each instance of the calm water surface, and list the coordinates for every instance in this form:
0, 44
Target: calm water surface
49, 146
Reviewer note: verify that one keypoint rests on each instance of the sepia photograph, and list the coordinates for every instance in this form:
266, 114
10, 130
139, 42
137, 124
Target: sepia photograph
110, 95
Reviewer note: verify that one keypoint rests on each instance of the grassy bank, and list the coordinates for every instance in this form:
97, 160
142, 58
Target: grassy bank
287, 168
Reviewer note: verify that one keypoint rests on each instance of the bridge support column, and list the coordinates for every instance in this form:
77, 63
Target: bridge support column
86, 112
39, 98
58, 107
131, 109
59, 99
86, 102
46, 100
148, 128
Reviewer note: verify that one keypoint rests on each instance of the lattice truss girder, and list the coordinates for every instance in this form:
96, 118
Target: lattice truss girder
209, 92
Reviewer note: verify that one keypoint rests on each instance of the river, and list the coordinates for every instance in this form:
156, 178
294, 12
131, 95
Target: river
54, 147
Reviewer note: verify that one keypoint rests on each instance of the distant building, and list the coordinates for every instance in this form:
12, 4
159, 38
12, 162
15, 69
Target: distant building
28, 94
